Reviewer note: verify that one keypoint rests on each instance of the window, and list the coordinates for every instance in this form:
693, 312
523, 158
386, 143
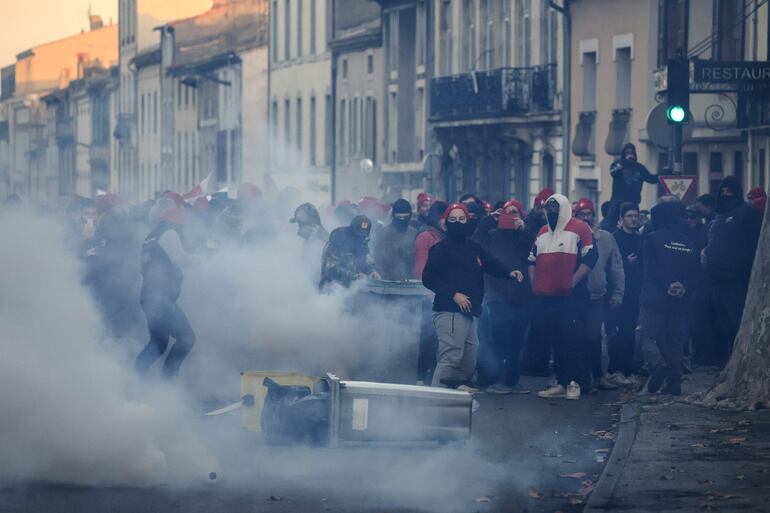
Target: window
370, 64
155, 112
728, 23
487, 8
194, 158
589, 81
759, 169
672, 29
716, 172
274, 30
313, 35
553, 40
738, 166
178, 174
274, 122
343, 149
142, 114
186, 97
505, 33
469, 35
287, 122
523, 32
420, 34
393, 127
186, 152
344, 68
299, 27
393, 42
419, 118
298, 141
353, 138
623, 78
328, 130
445, 37
287, 30
370, 142
312, 127
690, 163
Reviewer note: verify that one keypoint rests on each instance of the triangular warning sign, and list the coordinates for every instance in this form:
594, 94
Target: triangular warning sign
678, 185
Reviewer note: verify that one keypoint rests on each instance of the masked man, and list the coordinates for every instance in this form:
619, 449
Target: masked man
394, 248
346, 255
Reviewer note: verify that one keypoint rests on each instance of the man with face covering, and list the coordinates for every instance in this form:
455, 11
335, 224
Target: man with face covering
346, 255
628, 175
394, 248
729, 256
562, 257
163, 258
309, 226
505, 235
455, 273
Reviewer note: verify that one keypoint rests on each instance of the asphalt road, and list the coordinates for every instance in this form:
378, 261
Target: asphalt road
521, 446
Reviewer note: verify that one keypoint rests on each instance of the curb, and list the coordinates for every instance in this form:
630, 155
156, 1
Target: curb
628, 427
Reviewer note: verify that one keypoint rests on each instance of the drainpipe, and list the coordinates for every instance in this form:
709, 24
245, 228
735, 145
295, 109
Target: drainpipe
333, 113
566, 104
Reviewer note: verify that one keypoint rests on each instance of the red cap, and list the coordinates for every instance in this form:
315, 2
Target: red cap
248, 191
519, 206
542, 196
175, 197
423, 197
173, 215
200, 204
756, 193
105, 202
585, 204
453, 206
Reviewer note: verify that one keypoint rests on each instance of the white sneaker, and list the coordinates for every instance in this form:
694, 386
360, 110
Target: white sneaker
619, 379
466, 388
573, 391
551, 392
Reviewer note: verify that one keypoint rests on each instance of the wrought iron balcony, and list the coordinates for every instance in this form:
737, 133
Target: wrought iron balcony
492, 93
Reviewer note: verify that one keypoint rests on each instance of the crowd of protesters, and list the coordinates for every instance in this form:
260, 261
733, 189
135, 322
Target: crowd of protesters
541, 291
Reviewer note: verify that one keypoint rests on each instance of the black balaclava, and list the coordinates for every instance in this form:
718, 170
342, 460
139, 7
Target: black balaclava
458, 231
401, 206
434, 214
552, 218
727, 203
629, 146
669, 214
476, 213
360, 228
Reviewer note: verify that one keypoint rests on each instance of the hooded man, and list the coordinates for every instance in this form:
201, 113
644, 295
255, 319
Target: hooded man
426, 239
670, 263
729, 256
628, 175
505, 235
455, 273
163, 258
561, 259
394, 249
346, 255
606, 284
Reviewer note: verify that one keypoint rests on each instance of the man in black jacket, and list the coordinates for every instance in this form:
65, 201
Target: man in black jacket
670, 262
628, 175
729, 256
346, 255
506, 237
455, 273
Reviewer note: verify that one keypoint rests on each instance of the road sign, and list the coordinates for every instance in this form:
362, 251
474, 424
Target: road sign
681, 186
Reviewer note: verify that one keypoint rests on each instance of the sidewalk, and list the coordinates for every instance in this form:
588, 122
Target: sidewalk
671, 456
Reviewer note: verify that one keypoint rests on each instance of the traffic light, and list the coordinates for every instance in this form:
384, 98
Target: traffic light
678, 92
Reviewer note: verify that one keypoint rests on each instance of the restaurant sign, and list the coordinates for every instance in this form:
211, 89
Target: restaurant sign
742, 73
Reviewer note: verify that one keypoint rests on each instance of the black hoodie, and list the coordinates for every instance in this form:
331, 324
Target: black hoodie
669, 256
628, 177
733, 236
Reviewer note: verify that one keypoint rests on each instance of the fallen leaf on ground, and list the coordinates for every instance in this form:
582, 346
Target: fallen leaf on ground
482, 499
574, 475
575, 501
699, 445
740, 477
734, 441
602, 450
705, 481
535, 493
722, 430
665, 478
745, 422
603, 435
274, 498
588, 487
570, 461
713, 495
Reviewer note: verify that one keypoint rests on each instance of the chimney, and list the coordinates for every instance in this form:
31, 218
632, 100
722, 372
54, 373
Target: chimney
95, 22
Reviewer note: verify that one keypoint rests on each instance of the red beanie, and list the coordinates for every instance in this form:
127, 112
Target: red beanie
454, 206
105, 202
518, 205
542, 196
175, 197
585, 204
423, 197
248, 191
756, 193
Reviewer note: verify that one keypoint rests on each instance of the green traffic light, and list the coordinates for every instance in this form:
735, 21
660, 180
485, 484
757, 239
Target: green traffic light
676, 113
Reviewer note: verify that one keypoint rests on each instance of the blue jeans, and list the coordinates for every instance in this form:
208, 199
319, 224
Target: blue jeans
499, 354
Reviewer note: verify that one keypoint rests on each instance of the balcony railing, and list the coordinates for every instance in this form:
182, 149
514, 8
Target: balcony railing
99, 154
492, 93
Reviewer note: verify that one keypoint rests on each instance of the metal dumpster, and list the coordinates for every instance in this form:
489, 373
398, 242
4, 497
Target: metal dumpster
365, 412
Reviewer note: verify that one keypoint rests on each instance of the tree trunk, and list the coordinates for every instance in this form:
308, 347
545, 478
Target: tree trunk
745, 381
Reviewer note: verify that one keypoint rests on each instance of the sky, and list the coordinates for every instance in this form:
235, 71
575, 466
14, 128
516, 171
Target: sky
28, 23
